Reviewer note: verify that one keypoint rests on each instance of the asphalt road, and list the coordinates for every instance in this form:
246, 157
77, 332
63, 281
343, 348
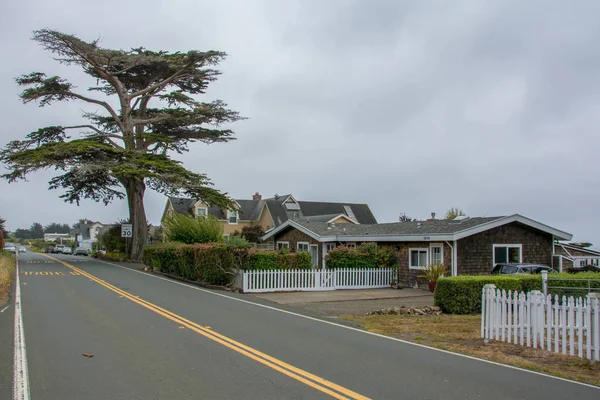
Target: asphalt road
156, 339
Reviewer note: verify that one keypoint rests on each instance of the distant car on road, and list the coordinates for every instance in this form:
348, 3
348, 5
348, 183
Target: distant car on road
81, 251
22, 249
10, 247
515, 269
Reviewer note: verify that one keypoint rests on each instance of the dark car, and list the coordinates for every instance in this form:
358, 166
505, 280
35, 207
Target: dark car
513, 269
49, 249
586, 268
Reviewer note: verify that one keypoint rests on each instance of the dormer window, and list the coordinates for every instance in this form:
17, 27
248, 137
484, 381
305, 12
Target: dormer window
202, 212
232, 216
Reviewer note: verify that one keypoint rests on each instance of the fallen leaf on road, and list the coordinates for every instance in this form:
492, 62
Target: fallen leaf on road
87, 355
207, 327
182, 327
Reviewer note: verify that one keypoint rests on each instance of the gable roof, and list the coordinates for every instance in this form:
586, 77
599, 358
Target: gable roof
410, 231
250, 210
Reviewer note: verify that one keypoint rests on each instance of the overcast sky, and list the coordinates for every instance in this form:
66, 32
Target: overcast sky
409, 106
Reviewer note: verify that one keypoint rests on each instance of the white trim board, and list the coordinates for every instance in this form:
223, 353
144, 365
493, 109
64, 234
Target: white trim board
338, 325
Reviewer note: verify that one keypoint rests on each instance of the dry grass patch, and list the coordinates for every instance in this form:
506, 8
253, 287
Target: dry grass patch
7, 268
460, 334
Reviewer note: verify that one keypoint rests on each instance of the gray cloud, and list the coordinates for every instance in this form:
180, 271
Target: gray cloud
409, 106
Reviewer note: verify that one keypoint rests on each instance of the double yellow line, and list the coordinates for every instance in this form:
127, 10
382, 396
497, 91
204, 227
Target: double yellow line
323, 385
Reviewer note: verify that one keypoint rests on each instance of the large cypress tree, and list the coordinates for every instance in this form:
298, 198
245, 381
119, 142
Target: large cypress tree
143, 109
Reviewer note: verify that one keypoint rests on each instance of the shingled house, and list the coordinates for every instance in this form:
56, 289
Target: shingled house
272, 212
467, 245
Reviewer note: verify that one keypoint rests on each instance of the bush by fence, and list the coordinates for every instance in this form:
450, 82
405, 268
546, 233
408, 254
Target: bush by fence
217, 263
366, 255
462, 294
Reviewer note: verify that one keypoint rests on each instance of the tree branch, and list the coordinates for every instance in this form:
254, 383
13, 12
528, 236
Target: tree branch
160, 84
103, 104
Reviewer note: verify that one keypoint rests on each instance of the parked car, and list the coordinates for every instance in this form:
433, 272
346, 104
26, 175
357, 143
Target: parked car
22, 249
586, 268
10, 247
59, 248
49, 249
514, 269
84, 251
66, 250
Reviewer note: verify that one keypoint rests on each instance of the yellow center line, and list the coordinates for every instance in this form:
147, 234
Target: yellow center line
296, 373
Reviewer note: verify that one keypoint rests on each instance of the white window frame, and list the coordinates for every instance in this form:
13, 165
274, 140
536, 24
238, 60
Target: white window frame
518, 246
229, 217
410, 250
285, 245
433, 245
205, 212
303, 243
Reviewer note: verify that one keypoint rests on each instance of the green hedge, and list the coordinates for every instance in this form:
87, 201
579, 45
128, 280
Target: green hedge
462, 294
215, 263
366, 255
266, 260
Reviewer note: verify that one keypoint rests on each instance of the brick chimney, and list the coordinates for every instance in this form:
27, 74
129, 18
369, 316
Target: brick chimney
256, 196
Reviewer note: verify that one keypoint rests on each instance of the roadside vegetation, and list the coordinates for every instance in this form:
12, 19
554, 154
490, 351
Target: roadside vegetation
7, 268
461, 334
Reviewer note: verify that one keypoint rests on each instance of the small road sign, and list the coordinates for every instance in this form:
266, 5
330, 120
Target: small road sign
126, 230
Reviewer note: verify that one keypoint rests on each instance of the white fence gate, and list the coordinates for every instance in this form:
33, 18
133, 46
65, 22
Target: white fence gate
314, 280
562, 325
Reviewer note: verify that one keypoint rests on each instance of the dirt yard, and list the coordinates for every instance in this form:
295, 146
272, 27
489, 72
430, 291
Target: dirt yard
461, 334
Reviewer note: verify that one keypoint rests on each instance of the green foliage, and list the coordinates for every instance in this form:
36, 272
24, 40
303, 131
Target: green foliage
270, 260
462, 294
433, 272
116, 256
209, 263
238, 242
574, 284
3, 230
35, 231
252, 233
187, 229
366, 255
57, 228
111, 239
453, 213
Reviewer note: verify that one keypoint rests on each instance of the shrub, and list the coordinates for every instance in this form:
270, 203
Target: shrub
266, 260
571, 283
462, 294
252, 233
7, 267
210, 263
367, 255
111, 239
237, 242
433, 272
187, 229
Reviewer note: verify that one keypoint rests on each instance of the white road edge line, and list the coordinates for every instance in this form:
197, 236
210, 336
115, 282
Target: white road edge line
20, 372
355, 329
4, 309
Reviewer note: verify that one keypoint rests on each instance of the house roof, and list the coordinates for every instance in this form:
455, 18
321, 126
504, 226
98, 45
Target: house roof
250, 210
410, 231
580, 248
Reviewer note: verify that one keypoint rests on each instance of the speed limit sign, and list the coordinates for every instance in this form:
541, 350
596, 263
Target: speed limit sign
126, 230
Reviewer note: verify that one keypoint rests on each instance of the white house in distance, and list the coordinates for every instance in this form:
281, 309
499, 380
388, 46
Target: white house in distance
56, 237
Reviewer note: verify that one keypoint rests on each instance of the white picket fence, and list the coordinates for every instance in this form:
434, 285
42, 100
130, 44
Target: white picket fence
562, 325
313, 280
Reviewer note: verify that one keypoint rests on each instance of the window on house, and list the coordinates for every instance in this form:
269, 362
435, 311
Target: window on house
437, 255
232, 216
283, 245
302, 246
201, 212
507, 253
351, 244
417, 258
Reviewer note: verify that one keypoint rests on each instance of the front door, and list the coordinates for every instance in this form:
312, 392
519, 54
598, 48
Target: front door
314, 255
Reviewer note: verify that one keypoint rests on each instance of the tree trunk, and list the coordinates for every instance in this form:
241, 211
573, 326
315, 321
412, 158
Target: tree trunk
137, 217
